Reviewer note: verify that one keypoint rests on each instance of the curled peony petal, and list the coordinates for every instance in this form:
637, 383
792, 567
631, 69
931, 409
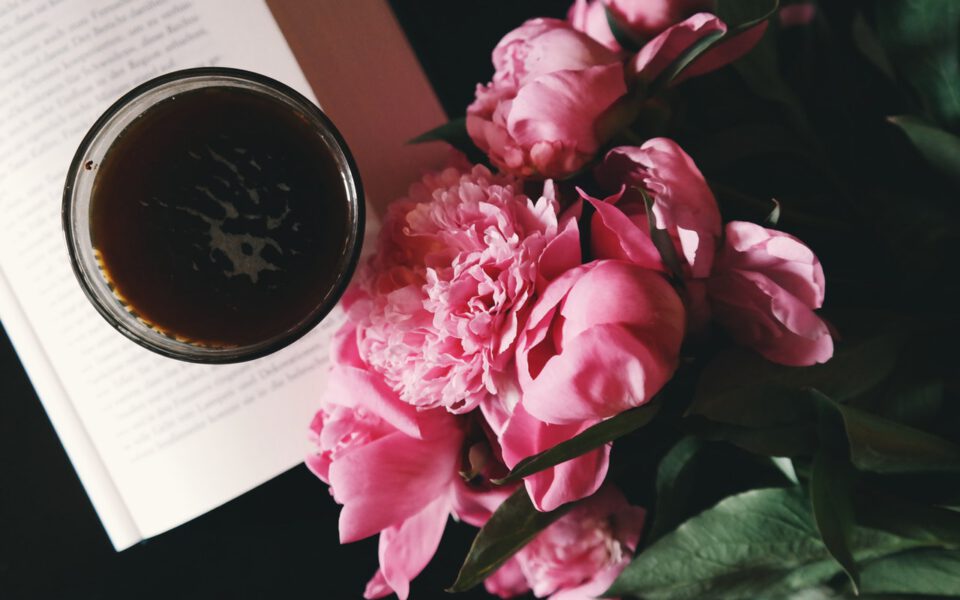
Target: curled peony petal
561, 254
764, 290
590, 17
577, 385
603, 313
666, 48
683, 206
389, 480
406, 549
475, 506
780, 256
620, 235
580, 477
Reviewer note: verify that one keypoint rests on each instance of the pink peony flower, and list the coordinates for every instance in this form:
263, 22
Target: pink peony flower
454, 274
663, 50
541, 115
642, 19
683, 205
600, 314
393, 468
592, 316
578, 556
764, 289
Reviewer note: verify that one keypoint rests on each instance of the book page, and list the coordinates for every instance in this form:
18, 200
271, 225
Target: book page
155, 441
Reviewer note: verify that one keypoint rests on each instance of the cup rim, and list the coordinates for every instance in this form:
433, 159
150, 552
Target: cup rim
210, 354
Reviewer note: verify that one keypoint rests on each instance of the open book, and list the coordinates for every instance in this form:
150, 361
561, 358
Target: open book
157, 442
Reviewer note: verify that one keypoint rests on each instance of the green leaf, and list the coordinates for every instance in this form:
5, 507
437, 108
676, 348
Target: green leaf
923, 571
758, 544
514, 523
937, 488
785, 465
450, 132
884, 446
797, 439
880, 445
912, 402
831, 492
741, 387
774, 217
627, 40
916, 521
687, 58
661, 238
940, 148
866, 41
453, 132
674, 483
744, 14
591, 438
922, 40
760, 71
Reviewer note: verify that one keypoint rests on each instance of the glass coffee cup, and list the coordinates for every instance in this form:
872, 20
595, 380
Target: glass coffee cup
213, 215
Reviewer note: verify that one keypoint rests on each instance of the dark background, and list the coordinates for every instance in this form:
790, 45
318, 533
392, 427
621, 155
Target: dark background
278, 540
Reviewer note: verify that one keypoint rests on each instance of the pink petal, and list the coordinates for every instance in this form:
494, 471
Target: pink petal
579, 384
387, 481
581, 325
778, 255
577, 478
352, 383
508, 580
649, 17
591, 18
657, 54
561, 254
563, 106
377, 587
614, 235
663, 50
595, 587
405, 550
495, 414
653, 313
767, 318
318, 462
542, 46
627, 519
725, 52
683, 203
475, 506
554, 293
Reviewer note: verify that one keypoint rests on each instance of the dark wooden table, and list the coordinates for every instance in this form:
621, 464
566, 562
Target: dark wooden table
277, 541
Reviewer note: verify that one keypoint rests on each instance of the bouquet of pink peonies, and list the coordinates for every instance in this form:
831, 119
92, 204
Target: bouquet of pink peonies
566, 330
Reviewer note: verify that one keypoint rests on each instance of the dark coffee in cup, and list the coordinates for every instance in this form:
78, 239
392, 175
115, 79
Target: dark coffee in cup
222, 217
219, 217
